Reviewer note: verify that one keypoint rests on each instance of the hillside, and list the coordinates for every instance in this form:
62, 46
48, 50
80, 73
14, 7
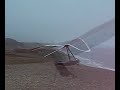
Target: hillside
11, 44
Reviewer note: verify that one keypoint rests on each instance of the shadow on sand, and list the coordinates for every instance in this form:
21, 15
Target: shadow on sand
63, 71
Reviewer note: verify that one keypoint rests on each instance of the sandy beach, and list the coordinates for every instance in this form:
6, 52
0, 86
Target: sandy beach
45, 75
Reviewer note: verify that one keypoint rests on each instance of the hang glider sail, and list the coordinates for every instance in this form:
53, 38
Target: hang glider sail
85, 42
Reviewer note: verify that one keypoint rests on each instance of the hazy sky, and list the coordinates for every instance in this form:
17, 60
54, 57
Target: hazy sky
54, 20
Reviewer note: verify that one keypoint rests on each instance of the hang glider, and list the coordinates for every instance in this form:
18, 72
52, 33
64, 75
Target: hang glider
89, 40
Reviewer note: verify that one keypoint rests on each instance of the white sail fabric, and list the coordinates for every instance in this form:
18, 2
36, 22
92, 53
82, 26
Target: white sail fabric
99, 56
99, 34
